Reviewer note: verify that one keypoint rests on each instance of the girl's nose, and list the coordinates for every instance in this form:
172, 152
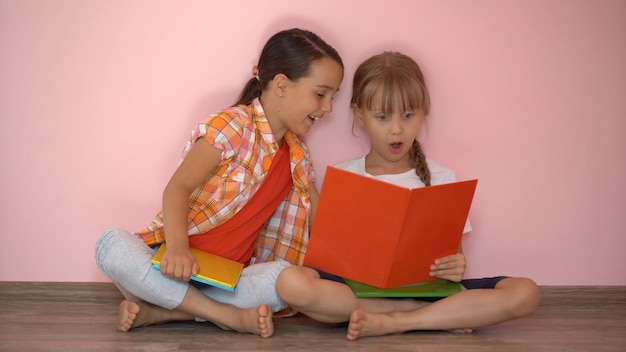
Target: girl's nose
396, 126
327, 105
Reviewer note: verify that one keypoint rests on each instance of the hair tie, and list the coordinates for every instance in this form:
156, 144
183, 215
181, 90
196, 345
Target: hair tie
255, 72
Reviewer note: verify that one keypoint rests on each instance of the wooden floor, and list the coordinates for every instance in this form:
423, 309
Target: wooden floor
82, 317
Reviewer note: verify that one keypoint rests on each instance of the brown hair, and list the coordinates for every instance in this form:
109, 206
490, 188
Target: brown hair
290, 52
403, 85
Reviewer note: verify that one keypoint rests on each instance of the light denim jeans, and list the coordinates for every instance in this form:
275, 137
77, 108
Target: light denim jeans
127, 261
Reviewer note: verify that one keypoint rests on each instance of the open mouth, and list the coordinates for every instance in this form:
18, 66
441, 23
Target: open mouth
312, 117
396, 146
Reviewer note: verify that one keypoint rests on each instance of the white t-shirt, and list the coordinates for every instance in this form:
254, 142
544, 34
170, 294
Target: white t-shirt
439, 174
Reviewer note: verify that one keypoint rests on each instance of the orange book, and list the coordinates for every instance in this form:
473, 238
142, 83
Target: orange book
385, 235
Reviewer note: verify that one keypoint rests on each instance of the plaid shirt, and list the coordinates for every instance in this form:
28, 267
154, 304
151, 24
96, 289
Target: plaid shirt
248, 148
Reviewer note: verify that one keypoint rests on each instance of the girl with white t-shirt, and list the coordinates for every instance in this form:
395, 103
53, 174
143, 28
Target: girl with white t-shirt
390, 100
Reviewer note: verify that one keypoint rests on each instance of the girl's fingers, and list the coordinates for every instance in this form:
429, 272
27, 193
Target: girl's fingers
451, 265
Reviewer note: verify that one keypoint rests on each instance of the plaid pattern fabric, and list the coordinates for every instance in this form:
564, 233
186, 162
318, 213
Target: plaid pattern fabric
248, 148
286, 234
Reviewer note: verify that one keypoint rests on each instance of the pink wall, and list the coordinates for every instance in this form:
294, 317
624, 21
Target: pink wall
97, 98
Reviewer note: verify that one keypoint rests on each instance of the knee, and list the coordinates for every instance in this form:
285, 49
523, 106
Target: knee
525, 298
104, 247
101, 247
294, 286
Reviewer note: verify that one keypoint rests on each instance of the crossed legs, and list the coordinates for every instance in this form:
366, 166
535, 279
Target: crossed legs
152, 298
330, 301
257, 320
511, 298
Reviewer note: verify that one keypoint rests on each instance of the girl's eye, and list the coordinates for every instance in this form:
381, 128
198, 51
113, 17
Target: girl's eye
408, 115
321, 95
381, 117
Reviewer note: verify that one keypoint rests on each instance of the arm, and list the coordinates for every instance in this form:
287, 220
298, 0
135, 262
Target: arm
451, 267
177, 261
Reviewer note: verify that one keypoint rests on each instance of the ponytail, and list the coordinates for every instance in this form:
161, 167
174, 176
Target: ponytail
250, 91
290, 52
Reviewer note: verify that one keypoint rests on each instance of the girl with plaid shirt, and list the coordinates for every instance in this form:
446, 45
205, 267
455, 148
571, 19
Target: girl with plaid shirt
243, 190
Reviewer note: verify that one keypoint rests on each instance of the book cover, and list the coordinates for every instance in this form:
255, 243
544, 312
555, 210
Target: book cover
214, 270
385, 235
428, 289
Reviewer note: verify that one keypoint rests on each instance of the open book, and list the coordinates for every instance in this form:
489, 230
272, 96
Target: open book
384, 235
214, 270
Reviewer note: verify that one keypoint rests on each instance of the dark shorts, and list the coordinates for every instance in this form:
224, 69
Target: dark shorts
470, 284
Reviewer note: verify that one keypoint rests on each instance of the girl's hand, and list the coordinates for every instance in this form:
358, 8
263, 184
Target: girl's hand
449, 268
179, 264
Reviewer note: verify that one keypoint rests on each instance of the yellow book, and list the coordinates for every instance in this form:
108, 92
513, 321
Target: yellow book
214, 270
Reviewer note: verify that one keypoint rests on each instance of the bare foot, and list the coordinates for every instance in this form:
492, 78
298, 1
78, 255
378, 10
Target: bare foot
126, 315
266, 325
136, 314
369, 324
364, 324
257, 321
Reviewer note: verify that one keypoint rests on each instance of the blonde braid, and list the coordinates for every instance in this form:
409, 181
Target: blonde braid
421, 167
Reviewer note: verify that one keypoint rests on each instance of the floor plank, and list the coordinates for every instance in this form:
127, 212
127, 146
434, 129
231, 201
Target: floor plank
37, 316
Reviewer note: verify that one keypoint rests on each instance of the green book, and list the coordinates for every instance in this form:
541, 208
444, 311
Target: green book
428, 289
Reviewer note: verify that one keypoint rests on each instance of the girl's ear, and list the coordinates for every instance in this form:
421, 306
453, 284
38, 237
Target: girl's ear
279, 84
358, 114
